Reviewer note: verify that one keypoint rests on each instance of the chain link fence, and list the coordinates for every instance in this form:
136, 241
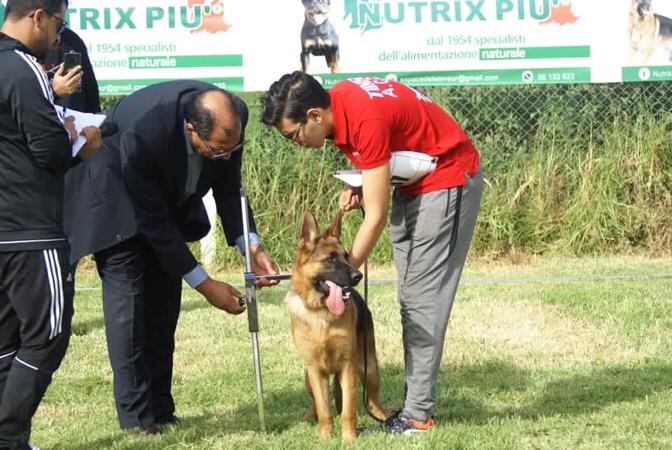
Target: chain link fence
576, 169
504, 120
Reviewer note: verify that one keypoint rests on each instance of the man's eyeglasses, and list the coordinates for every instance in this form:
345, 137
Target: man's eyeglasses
220, 155
61, 27
294, 137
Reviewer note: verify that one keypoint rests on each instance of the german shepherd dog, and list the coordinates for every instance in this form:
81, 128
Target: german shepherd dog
649, 33
318, 36
332, 328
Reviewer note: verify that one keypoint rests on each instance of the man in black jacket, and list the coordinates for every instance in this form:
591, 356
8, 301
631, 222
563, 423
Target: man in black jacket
135, 205
35, 152
78, 88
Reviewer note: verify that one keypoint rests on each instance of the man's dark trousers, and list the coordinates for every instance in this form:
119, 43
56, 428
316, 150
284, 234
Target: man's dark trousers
141, 305
35, 321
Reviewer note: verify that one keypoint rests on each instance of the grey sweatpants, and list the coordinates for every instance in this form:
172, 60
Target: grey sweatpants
430, 236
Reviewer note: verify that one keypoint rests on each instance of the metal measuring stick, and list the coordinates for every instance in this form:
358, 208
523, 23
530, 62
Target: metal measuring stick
279, 277
252, 313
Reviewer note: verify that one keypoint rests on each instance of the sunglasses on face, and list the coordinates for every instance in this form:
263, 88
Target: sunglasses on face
61, 27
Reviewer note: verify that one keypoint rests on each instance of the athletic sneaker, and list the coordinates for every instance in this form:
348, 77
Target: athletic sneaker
32, 447
400, 423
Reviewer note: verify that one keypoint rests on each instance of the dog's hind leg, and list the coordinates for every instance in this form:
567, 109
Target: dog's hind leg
319, 385
338, 396
371, 379
311, 414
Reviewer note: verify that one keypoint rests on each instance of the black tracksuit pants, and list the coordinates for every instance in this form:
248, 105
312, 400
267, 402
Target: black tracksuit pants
141, 305
36, 294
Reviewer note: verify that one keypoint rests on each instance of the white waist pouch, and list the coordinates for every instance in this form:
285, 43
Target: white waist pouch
407, 168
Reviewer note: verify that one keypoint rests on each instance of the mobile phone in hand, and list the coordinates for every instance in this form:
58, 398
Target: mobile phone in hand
71, 60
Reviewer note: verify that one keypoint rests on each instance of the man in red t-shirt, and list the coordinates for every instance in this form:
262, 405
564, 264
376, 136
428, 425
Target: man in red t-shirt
374, 122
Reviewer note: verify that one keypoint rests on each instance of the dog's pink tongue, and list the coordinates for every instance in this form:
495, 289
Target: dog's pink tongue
335, 301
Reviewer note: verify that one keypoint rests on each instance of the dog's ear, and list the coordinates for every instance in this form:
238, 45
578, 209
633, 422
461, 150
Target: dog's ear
309, 231
335, 228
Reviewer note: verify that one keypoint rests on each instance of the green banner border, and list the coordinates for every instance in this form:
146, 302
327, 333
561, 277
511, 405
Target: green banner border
126, 87
646, 74
564, 75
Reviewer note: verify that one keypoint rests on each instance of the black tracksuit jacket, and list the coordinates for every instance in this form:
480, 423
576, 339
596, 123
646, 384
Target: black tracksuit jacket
35, 152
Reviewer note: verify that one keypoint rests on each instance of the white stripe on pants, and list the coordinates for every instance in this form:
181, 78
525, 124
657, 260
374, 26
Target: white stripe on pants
53, 269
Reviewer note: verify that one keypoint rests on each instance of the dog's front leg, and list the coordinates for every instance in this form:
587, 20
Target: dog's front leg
332, 60
348, 380
319, 385
305, 60
311, 414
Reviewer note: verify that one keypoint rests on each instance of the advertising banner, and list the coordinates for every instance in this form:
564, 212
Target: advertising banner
244, 45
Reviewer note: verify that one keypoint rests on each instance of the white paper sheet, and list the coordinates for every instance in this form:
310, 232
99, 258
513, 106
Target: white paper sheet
82, 120
351, 177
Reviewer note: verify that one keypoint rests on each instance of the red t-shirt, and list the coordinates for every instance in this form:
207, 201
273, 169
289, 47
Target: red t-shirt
373, 117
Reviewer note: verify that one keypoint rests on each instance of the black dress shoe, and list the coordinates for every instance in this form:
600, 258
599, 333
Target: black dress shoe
169, 420
151, 430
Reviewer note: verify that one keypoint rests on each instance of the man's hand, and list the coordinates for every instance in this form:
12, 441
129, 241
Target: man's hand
351, 198
93, 142
262, 264
64, 85
221, 295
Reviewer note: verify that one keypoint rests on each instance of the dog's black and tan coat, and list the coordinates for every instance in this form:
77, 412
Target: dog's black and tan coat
332, 328
318, 36
649, 33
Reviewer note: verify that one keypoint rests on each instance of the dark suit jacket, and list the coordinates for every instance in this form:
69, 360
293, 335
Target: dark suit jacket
134, 183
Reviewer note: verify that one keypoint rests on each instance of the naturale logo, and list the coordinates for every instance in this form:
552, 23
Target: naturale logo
194, 15
368, 15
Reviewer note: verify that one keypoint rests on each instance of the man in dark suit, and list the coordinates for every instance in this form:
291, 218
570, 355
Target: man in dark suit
135, 206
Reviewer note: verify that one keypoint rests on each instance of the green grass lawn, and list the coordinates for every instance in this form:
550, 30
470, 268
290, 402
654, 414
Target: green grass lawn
528, 363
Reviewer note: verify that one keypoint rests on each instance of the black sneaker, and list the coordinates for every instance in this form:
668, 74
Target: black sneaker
400, 423
380, 426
